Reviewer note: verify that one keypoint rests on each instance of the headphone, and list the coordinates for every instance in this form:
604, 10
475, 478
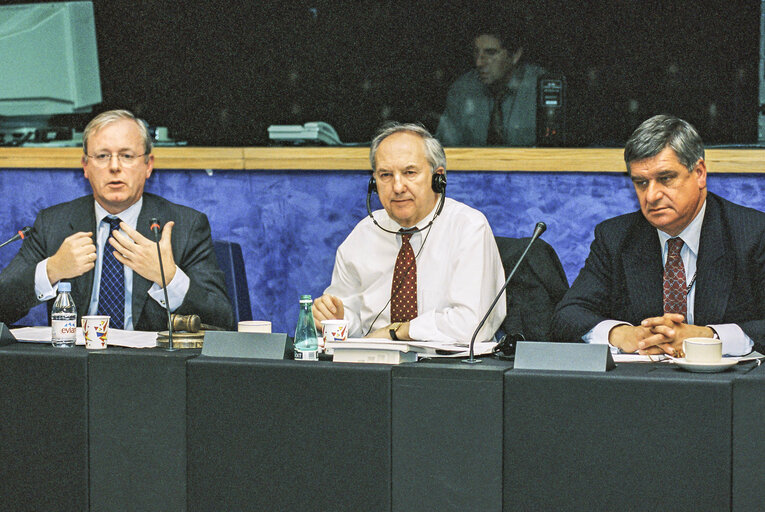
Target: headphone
438, 184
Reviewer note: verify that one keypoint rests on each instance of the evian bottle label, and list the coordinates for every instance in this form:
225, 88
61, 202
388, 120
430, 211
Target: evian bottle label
64, 329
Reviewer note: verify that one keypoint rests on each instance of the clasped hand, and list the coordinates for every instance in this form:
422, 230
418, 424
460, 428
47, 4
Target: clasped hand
656, 335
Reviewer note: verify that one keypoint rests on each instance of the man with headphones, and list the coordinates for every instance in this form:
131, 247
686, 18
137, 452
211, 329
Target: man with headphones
425, 267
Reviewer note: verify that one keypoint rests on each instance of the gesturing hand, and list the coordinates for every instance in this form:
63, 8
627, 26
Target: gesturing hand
75, 256
138, 253
327, 307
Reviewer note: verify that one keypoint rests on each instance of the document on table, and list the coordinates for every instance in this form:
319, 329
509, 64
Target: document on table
117, 337
424, 348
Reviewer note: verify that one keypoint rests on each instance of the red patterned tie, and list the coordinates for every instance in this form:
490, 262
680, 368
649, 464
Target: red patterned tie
674, 279
403, 302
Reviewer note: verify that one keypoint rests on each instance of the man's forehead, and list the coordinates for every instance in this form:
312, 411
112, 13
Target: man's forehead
487, 42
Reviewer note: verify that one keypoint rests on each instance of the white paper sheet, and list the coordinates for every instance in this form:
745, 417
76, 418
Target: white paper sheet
117, 337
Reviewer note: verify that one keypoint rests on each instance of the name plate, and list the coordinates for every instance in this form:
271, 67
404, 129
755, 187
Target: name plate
252, 345
578, 357
6, 336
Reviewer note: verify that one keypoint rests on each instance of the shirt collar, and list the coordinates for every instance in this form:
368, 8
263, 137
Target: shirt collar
691, 235
129, 216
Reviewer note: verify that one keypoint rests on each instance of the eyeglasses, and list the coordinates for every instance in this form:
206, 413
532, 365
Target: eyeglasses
126, 159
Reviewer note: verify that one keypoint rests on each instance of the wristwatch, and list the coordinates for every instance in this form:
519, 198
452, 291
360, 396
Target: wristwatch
392, 331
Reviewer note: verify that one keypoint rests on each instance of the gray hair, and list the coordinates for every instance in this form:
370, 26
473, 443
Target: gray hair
659, 132
112, 116
434, 151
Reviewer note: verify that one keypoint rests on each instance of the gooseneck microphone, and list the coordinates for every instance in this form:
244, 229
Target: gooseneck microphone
538, 230
22, 233
155, 229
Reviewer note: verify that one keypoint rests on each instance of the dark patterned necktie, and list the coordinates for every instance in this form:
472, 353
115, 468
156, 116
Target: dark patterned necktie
403, 302
495, 137
675, 285
111, 295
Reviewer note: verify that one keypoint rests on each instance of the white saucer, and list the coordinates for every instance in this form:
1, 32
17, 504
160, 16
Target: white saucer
722, 365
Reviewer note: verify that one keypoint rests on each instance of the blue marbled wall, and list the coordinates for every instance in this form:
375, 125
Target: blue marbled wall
289, 223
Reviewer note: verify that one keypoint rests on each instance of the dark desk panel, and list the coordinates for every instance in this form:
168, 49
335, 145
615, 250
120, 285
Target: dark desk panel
286, 435
640, 437
43, 428
447, 436
137, 406
748, 439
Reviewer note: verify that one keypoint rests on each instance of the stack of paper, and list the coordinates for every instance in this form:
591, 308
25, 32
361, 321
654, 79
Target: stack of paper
117, 337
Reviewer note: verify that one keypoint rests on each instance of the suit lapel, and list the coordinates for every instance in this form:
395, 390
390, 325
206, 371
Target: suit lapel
643, 271
714, 268
83, 219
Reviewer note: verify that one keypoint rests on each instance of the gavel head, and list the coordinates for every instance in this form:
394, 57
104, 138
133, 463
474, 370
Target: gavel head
188, 323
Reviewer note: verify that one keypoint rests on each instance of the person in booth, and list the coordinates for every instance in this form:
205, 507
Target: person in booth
103, 244
426, 267
689, 263
494, 104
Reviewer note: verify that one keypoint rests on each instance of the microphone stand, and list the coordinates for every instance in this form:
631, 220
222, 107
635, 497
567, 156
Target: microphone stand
155, 229
18, 236
538, 230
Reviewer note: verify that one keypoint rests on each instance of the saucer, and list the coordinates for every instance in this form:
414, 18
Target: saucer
720, 366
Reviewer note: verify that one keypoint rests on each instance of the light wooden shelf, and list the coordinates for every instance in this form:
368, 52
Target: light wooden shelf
357, 158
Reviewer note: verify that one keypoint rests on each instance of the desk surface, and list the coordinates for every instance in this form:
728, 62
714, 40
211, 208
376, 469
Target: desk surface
216, 434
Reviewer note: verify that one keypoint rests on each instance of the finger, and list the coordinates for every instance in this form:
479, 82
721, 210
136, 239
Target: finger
675, 317
664, 330
656, 339
654, 321
125, 261
125, 239
336, 303
323, 312
134, 235
651, 351
78, 235
167, 232
120, 247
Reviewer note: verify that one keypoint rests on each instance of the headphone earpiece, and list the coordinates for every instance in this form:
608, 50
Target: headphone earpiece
438, 183
372, 187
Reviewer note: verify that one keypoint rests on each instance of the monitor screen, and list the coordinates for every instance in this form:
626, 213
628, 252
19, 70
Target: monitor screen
49, 61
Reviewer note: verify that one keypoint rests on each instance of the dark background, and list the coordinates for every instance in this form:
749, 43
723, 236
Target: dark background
219, 72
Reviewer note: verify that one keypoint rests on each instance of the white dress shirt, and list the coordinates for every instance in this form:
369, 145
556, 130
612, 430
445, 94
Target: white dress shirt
459, 272
176, 289
734, 341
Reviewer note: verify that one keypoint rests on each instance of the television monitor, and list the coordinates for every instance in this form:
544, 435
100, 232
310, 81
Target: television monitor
49, 62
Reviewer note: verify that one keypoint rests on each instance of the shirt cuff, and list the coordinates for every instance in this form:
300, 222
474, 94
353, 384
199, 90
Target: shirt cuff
176, 290
734, 341
43, 289
599, 333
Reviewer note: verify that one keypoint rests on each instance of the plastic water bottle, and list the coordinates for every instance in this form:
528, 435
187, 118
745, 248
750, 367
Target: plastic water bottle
64, 318
306, 343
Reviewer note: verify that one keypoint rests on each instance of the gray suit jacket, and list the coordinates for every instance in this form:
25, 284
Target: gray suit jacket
192, 250
622, 277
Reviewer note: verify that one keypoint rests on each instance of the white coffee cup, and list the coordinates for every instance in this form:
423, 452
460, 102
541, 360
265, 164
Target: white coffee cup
702, 350
334, 330
95, 329
262, 326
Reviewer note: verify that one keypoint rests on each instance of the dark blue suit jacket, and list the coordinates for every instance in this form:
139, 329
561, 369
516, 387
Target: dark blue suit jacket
622, 277
192, 251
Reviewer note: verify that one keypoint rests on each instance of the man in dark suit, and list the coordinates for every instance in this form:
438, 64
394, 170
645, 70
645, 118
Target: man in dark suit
689, 263
103, 245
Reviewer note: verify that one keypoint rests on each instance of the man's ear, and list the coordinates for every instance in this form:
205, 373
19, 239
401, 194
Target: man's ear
700, 173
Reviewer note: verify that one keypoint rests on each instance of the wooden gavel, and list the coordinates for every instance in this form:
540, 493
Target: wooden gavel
191, 323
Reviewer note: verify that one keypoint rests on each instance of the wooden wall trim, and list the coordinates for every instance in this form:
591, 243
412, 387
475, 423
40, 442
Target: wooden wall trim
357, 158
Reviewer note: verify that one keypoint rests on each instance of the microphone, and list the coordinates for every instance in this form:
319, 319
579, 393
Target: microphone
154, 227
538, 230
26, 230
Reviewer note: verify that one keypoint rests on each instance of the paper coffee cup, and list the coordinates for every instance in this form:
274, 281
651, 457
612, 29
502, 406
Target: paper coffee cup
262, 326
702, 350
334, 330
95, 329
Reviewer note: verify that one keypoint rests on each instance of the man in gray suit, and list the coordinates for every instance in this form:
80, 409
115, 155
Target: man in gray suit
103, 244
689, 263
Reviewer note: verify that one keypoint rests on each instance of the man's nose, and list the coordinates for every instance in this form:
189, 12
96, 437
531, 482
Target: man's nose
480, 59
654, 192
398, 183
114, 163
